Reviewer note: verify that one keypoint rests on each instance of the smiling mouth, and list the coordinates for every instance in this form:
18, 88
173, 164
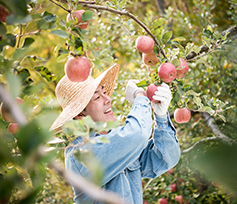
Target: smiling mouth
109, 110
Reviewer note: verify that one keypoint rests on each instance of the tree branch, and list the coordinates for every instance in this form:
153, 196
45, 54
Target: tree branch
86, 187
215, 129
192, 56
13, 107
130, 15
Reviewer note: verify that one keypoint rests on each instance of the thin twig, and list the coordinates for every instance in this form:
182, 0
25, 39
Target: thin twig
60, 6
125, 13
18, 44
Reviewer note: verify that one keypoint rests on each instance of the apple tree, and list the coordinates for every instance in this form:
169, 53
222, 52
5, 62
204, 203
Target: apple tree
37, 39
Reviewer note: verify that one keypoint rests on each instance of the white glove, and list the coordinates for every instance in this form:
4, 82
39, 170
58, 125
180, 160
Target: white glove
163, 95
132, 90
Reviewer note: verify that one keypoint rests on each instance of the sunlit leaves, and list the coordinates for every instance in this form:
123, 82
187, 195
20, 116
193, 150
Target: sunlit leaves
60, 33
44, 72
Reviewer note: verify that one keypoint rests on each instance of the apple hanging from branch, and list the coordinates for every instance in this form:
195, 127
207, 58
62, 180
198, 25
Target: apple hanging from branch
182, 115
167, 72
144, 44
77, 69
182, 69
150, 59
77, 14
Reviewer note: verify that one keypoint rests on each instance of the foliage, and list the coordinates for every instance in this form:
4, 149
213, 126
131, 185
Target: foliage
35, 43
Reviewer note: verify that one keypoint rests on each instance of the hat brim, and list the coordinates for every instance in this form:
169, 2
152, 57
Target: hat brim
81, 94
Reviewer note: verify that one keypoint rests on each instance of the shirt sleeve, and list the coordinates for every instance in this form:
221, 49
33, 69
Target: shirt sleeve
163, 150
125, 145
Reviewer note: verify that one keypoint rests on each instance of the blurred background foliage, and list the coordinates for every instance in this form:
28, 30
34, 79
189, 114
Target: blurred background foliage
34, 45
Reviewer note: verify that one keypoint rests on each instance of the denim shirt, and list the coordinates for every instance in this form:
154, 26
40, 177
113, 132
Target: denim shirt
131, 153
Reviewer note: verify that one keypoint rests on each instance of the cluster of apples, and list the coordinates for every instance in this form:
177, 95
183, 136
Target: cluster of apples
13, 127
166, 71
77, 68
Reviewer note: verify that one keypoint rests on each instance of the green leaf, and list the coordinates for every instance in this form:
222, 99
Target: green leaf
14, 19
95, 53
3, 29
167, 36
197, 100
176, 62
28, 42
87, 15
179, 39
44, 72
207, 109
30, 137
49, 17
191, 92
59, 33
158, 22
23, 74
142, 83
78, 43
14, 84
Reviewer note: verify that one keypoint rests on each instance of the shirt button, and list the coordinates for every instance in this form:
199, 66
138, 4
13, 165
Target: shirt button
165, 122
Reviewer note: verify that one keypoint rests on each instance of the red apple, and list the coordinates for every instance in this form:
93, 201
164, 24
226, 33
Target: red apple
182, 115
77, 14
182, 69
144, 44
167, 72
3, 13
13, 128
145, 202
151, 89
173, 187
77, 69
179, 199
150, 59
171, 171
163, 201
6, 115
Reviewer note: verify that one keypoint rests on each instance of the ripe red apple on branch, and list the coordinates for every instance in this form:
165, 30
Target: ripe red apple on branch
13, 128
182, 69
5, 113
182, 115
77, 69
144, 44
150, 59
77, 14
173, 187
179, 198
163, 201
167, 72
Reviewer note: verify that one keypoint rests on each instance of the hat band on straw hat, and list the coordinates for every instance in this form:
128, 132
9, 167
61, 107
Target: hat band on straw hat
74, 96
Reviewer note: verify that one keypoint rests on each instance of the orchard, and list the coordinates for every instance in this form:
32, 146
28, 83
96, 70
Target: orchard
189, 45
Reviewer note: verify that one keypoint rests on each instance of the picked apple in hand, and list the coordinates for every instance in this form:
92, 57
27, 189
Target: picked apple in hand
150, 92
167, 72
77, 14
144, 44
182, 115
150, 59
182, 69
77, 69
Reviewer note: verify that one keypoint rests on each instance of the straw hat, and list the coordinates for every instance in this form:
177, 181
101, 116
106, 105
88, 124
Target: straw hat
74, 96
